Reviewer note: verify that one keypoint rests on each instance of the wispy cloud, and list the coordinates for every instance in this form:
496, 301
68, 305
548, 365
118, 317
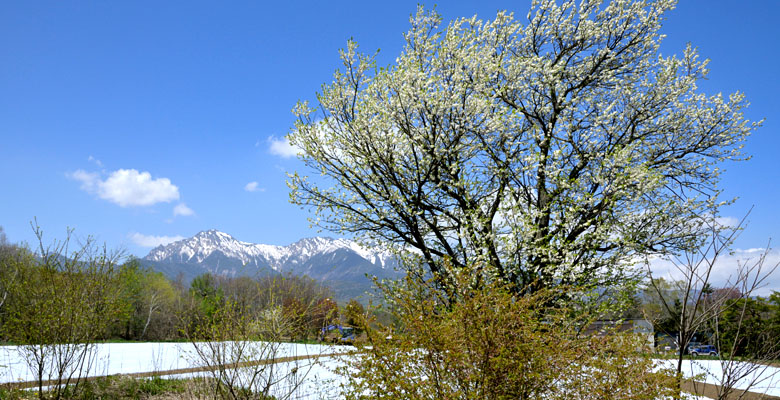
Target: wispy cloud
96, 161
253, 187
127, 187
282, 147
728, 222
727, 266
152, 241
183, 210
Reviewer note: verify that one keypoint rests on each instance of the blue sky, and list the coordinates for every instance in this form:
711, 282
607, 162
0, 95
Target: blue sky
183, 101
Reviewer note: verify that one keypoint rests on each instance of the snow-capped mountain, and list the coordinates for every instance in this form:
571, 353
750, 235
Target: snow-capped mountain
340, 263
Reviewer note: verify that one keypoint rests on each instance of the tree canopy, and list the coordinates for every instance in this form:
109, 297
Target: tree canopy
551, 150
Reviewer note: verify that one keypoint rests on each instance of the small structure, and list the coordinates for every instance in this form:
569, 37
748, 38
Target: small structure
641, 327
666, 343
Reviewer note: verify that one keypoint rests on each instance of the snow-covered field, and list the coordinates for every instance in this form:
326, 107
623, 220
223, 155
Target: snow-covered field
758, 379
317, 377
125, 358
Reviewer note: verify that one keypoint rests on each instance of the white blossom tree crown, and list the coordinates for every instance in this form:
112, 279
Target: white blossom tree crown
550, 150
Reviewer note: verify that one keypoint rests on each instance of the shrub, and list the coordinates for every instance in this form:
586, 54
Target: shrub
492, 344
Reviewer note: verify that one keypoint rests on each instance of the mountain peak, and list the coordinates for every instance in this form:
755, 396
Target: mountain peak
208, 243
211, 233
341, 262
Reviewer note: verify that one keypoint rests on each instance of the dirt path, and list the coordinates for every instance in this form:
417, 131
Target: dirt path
711, 391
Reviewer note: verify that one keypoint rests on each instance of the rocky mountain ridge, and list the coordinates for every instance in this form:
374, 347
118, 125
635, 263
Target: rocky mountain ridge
339, 263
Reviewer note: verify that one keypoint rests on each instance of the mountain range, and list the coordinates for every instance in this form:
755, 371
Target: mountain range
340, 264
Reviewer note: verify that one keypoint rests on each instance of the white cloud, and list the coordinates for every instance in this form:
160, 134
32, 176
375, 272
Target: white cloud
253, 187
183, 210
728, 222
727, 267
128, 187
152, 241
282, 147
96, 161
89, 180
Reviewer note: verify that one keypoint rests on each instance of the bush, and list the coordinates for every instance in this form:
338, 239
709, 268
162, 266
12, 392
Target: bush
59, 304
239, 348
492, 344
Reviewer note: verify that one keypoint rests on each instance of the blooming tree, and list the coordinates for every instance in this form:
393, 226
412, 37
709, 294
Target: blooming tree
548, 151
